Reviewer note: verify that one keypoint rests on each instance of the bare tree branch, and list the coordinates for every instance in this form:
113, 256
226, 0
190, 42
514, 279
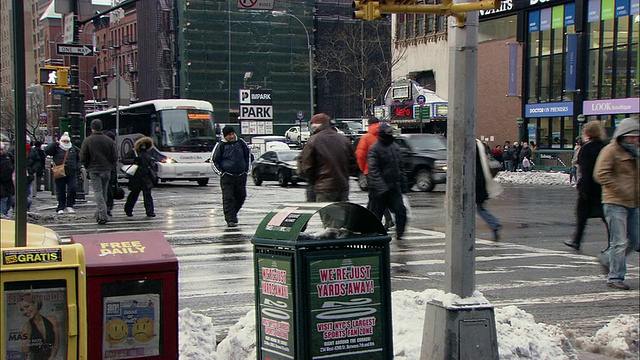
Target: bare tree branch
354, 59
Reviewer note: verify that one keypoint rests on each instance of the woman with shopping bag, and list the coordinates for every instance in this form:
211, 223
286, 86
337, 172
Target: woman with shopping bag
66, 165
144, 177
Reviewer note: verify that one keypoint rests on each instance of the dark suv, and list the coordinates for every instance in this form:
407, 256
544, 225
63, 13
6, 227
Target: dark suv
425, 159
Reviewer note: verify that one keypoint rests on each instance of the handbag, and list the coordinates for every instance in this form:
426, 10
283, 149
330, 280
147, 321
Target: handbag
58, 170
118, 193
130, 169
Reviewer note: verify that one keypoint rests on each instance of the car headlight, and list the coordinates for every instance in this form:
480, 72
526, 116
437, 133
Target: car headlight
440, 164
168, 160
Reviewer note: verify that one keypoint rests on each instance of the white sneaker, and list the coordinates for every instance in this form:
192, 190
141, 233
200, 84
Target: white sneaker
70, 210
60, 212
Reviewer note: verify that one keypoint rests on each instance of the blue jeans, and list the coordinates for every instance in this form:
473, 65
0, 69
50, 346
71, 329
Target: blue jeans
5, 205
508, 165
100, 187
29, 197
623, 237
491, 220
66, 188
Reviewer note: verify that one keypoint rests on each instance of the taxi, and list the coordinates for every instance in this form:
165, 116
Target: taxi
36, 235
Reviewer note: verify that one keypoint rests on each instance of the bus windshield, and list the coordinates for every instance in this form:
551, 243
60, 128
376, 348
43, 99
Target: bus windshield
184, 130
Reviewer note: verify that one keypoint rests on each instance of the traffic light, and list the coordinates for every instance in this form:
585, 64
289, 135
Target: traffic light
367, 10
57, 77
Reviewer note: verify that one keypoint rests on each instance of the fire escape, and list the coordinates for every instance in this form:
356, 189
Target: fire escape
163, 56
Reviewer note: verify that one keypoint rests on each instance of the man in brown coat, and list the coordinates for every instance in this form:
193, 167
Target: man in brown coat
326, 161
617, 171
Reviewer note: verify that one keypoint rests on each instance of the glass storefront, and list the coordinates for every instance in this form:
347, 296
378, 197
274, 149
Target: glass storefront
548, 39
613, 58
609, 60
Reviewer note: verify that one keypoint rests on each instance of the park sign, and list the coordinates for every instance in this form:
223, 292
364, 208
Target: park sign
255, 104
256, 111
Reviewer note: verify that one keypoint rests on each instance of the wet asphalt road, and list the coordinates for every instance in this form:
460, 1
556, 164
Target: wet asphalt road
529, 267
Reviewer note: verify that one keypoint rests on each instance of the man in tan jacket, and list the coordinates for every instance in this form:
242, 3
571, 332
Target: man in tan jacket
617, 171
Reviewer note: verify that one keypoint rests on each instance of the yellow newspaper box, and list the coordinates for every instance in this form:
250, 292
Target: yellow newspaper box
43, 303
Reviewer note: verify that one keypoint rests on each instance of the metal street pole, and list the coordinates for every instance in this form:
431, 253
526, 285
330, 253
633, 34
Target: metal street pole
117, 97
310, 47
75, 111
19, 100
464, 329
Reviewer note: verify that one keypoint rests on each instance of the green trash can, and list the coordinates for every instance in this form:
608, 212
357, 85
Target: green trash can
323, 283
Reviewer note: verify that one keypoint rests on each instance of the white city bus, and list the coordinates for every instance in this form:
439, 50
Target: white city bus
182, 131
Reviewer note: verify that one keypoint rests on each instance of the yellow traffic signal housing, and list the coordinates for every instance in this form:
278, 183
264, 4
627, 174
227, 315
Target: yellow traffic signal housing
373, 10
48, 76
54, 76
63, 77
367, 10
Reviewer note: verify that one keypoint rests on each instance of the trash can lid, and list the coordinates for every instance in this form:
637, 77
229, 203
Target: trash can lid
287, 221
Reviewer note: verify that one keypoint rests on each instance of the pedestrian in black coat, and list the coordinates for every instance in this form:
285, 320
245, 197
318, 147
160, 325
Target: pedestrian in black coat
6, 181
36, 161
589, 204
486, 188
386, 180
145, 177
113, 180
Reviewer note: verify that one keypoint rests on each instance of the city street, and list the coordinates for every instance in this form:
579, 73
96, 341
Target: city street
529, 267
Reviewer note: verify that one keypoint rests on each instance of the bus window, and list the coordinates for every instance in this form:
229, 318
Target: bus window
187, 128
156, 134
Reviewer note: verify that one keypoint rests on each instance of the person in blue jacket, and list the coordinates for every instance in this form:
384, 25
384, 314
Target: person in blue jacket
230, 160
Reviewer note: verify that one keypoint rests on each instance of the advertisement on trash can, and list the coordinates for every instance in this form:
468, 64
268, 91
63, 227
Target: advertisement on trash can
131, 325
36, 323
346, 307
276, 308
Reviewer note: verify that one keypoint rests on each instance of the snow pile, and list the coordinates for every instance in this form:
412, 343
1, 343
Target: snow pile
618, 339
241, 342
408, 310
197, 337
520, 337
532, 178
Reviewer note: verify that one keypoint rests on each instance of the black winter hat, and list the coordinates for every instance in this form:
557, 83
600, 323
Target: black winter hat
385, 128
227, 130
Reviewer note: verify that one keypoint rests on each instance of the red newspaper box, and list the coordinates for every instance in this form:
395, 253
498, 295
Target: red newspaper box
132, 295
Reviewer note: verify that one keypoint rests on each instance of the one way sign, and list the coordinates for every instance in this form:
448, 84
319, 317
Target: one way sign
74, 49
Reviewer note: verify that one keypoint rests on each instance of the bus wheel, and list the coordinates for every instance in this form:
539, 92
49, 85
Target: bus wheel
203, 182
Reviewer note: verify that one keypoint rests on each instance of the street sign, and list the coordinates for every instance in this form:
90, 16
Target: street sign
300, 115
68, 28
255, 96
74, 49
256, 112
256, 4
421, 99
422, 112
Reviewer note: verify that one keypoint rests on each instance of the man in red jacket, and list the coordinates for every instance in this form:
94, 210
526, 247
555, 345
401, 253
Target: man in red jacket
365, 143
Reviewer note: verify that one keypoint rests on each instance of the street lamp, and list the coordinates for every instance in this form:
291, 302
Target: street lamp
520, 121
306, 32
93, 94
581, 120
